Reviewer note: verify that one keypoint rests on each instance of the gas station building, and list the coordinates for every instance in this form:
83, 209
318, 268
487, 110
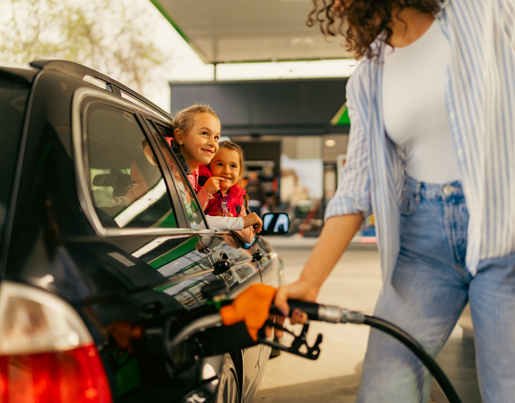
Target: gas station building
294, 132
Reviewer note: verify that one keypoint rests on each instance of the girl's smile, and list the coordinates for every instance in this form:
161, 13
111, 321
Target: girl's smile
200, 143
226, 164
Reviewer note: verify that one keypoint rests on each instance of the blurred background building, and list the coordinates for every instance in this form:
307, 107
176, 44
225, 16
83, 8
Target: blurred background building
277, 84
293, 133
293, 128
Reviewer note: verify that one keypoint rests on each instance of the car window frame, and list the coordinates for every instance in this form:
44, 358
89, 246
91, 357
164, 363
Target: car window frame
81, 99
156, 132
177, 205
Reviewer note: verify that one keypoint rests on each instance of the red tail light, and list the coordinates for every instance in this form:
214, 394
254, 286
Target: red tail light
46, 353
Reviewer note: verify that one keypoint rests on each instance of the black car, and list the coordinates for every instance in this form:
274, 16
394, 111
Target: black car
98, 241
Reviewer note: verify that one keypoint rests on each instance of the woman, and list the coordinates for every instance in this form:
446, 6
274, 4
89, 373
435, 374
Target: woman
430, 153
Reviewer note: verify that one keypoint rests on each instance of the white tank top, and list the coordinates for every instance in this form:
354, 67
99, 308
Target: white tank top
415, 115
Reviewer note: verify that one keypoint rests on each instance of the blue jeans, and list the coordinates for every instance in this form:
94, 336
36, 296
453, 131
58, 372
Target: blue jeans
429, 289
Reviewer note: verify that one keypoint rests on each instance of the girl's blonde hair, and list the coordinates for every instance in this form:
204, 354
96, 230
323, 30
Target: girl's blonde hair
185, 119
236, 147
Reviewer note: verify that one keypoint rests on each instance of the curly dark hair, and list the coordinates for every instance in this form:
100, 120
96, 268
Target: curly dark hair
358, 22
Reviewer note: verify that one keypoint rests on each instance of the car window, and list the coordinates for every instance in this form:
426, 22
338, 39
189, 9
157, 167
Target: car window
13, 100
182, 182
126, 184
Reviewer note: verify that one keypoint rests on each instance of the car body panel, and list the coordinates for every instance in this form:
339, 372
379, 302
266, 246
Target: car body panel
140, 277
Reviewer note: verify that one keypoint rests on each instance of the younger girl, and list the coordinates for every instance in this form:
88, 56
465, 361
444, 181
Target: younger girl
232, 199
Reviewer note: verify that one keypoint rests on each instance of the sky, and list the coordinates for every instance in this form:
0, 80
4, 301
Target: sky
185, 65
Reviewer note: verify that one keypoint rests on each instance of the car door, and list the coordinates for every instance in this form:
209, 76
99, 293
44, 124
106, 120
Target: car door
142, 261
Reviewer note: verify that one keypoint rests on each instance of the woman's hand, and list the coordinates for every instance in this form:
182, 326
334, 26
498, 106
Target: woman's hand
253, 220
300, 290
212, 185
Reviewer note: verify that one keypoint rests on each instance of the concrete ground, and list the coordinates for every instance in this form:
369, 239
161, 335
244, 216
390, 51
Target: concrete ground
355, 284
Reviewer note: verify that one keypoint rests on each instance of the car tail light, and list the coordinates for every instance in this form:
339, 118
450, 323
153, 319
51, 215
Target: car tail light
46, 352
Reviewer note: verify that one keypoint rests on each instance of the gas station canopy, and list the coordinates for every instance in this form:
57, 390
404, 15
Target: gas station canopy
224, 31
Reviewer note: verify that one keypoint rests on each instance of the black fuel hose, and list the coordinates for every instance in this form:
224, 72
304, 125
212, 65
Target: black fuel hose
319, 312
419, 351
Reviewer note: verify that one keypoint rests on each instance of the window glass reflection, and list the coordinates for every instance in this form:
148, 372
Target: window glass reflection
127, 186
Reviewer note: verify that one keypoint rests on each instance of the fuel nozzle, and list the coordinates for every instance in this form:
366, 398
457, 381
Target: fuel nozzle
323, 313
335, 314
252, 307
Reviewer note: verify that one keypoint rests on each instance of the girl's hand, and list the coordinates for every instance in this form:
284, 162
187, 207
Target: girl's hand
212, 185
253, 220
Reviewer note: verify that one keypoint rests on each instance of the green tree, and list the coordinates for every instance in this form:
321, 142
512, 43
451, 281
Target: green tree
108, 36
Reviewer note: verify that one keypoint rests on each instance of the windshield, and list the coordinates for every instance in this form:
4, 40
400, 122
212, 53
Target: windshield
13, 100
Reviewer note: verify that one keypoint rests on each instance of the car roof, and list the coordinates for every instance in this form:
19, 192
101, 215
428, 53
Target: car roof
79, 71
28, 73
23, 73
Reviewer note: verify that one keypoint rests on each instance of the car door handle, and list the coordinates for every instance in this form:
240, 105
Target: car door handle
257, 257
223, 265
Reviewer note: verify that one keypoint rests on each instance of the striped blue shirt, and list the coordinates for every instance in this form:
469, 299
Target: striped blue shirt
480, 103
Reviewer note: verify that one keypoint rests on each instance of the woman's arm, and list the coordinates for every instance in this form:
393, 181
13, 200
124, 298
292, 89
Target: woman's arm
334, 239
346, 210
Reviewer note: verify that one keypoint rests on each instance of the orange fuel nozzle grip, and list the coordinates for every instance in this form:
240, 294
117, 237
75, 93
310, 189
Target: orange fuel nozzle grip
252, 306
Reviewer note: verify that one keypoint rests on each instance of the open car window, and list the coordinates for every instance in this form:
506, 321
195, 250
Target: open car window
185, 185
126, 183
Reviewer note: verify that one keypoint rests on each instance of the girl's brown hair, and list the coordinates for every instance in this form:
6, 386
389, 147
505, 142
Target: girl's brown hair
185, 119
362, 21
236, 147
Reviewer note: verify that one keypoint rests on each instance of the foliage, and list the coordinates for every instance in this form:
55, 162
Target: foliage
109, 36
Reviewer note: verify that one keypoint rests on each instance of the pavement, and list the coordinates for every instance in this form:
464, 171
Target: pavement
334, 377
355, 283
307, 243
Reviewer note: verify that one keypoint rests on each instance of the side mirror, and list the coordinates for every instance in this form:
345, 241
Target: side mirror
275, 224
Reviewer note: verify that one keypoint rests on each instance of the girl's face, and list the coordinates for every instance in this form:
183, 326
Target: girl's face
226, 164
200, 144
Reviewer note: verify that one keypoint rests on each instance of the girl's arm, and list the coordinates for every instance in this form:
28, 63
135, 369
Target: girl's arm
207, 191
203, 197
225, 223
234, 223
247, 234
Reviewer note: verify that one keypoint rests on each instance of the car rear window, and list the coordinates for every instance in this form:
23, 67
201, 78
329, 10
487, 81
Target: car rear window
13, 100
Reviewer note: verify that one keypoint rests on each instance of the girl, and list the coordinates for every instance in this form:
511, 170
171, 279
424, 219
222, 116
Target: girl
195, 142
232, 199
430, 153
